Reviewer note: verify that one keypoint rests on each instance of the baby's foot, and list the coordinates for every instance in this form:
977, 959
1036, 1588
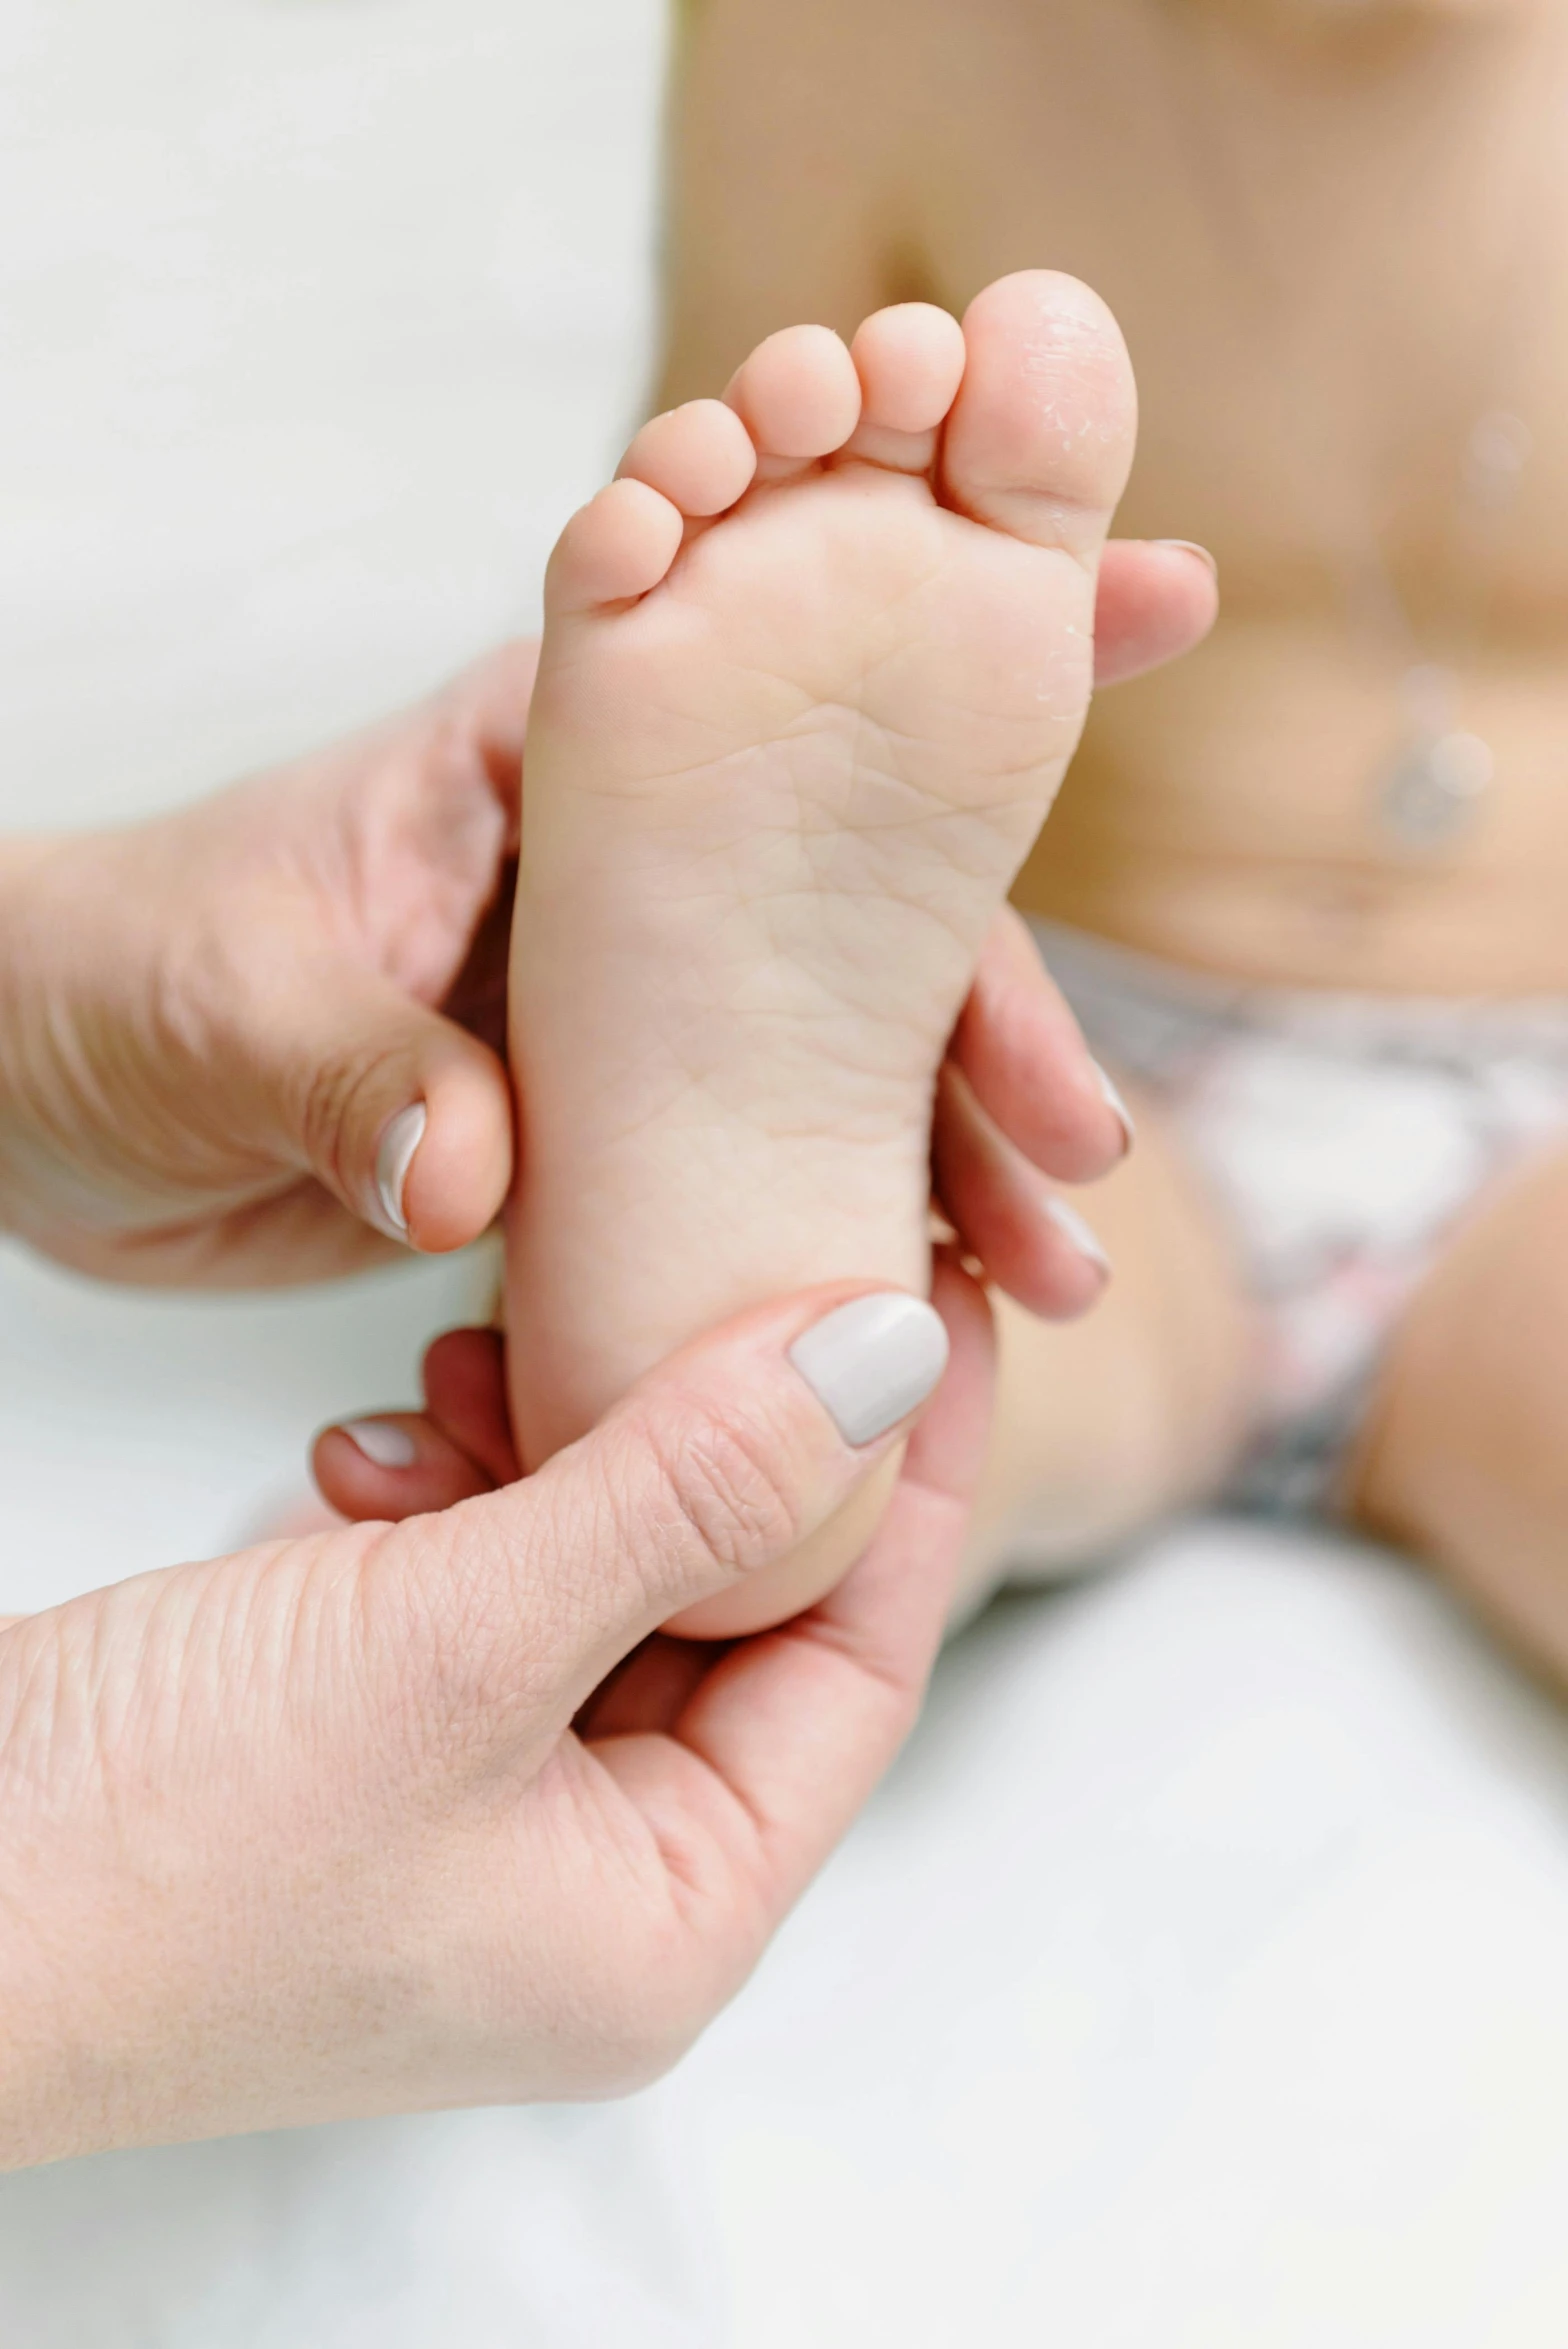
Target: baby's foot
813, 668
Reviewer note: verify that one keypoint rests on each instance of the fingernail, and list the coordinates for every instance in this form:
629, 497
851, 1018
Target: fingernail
402, 1138
1117, 1106
1079, 1236
1190, 546
387, 1445
872, 1361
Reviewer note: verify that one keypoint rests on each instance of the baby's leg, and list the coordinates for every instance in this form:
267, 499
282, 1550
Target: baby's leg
811, 676
1106, 1425
1465, 1457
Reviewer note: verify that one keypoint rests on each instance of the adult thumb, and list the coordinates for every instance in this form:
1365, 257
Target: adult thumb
402, 1115
716, 1466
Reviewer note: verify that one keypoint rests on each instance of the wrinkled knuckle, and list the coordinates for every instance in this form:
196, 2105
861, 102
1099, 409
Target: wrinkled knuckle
449, 1644
727, 1483
336, 1102
194, 992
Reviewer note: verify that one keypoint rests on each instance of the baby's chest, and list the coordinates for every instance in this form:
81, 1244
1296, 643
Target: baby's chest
1348, 314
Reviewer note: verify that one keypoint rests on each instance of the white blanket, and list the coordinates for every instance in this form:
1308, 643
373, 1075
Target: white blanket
1198, 1978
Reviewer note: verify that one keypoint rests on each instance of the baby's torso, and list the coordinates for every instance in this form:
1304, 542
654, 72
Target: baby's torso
1334, 255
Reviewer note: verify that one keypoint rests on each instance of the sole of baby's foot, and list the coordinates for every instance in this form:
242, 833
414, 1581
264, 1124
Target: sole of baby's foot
814, 666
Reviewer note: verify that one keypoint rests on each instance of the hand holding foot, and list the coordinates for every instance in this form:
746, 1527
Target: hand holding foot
813, 669
253, 1040
419, 1815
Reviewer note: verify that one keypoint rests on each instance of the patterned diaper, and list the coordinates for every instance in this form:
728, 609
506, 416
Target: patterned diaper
1344, 1137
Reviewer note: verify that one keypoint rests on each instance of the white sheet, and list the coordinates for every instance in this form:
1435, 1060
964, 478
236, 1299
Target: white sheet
1197, 1980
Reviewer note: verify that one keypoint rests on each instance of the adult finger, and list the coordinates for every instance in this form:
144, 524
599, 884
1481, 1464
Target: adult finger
390, 1465
1030, 1242
715, 1467
790, 1732
1028, 1067
1158, 598
399, 1112
401, 1464
465, 1393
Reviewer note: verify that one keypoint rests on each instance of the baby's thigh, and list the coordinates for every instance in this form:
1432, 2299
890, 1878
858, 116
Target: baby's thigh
1465, 1454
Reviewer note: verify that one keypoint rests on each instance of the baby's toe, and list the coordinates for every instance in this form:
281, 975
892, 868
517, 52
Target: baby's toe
910, 360
700, 457
798, 396
615, 548
1040, 440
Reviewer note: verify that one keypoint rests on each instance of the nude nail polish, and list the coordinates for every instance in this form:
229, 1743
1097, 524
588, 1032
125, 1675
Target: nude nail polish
388, 1445
1080, 1236
1111, 1096
402, 1138
872, 1362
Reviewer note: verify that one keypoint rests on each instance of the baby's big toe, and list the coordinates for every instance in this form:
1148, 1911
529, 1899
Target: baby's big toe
1040, 440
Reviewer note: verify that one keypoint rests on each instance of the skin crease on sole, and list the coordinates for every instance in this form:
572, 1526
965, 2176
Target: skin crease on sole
813, 668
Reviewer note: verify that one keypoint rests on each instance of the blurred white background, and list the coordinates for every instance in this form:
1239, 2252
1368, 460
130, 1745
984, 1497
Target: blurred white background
317, 318
1197, 1983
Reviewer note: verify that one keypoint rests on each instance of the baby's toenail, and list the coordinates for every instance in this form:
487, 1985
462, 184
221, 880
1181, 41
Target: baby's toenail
1190, 546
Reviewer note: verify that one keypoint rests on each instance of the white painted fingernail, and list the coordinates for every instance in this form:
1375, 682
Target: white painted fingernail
1080, 1237
872, 1362
1116, 1105
380, 1440
402, 1138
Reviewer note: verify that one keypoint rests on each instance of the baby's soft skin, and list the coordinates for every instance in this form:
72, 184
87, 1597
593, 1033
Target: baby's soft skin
1333, 236
414, 1815
812, 671
257, 1040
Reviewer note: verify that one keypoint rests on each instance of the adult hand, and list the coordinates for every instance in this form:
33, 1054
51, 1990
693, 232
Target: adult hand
259, 1040
209, 1022
385, 1819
